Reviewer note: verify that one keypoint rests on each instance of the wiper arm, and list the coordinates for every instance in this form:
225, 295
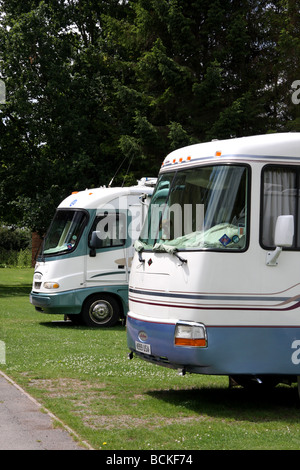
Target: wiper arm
183, 260
163, 248
158, 247
139, 247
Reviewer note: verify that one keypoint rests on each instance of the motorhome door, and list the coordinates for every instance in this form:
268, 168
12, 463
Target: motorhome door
106, 260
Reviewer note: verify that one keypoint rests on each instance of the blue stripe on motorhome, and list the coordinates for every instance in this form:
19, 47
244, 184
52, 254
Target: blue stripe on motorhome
279, 307
231, 350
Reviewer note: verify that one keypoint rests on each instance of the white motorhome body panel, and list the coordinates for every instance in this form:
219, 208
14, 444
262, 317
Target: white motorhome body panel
248, 307
227, 296
97, 198
271, 147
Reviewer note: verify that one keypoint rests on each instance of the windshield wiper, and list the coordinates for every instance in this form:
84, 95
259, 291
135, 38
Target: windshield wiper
139, 247
183, 260
163, 248
158, 248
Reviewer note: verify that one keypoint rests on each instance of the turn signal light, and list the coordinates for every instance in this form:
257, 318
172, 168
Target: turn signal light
200, 343
51, 285
190, 334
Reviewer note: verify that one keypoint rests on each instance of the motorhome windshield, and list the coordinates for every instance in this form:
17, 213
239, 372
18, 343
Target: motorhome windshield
201, 208
64, 232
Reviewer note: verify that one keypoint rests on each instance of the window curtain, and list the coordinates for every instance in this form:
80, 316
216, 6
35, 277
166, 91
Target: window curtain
279, 199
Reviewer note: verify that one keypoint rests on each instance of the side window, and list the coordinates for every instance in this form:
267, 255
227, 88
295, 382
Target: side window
279, 197
109, 230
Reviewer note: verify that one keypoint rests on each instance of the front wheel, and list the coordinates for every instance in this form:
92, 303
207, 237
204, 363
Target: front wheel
100, 310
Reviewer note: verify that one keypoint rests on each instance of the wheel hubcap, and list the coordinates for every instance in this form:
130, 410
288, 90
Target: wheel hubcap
101, 311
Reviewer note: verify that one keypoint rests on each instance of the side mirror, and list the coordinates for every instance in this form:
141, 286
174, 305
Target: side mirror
284, 231
283, 238
95, 242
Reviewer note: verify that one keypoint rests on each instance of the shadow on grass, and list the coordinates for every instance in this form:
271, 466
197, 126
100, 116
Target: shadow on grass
69, 324
14, 290
281, 403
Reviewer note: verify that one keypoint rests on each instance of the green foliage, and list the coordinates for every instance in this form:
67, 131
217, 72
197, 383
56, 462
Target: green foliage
98, 85
178, 136
15, 247
54, 124
14, 238
15, 259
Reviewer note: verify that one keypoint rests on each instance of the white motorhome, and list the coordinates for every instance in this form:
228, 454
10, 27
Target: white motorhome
83, 269
215, 283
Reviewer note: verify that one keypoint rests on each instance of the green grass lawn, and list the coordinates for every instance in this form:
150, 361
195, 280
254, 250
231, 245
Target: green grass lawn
84, 377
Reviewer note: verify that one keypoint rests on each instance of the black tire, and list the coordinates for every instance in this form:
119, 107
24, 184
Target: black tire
75, 318
100, 310
263, 382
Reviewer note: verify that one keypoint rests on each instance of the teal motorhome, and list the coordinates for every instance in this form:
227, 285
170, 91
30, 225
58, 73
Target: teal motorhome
83, 269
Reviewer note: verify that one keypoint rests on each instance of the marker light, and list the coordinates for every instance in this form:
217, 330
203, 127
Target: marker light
190, 334
218, 153
51, 285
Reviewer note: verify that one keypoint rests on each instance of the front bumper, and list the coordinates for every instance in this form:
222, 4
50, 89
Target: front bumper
58, 303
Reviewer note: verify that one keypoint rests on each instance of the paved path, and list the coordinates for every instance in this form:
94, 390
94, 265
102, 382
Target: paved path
23, 424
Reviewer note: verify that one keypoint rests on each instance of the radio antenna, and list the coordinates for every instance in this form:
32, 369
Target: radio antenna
116, 173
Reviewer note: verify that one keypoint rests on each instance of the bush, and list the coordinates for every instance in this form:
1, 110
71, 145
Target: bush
15, 259
13, 238
15, 247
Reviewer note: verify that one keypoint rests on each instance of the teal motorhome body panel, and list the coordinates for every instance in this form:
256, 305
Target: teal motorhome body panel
70, 302
83, 268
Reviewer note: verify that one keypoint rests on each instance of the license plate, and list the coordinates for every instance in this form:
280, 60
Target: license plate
143, 347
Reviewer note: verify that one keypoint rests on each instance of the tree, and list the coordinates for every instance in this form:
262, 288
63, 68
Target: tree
98, 88
56, 131
287, 66
202, 67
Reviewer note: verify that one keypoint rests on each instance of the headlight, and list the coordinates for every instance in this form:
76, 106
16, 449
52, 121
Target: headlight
190, 334
51, 285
